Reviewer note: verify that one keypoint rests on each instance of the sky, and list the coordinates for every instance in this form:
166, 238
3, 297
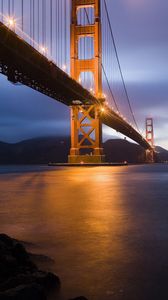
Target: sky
140, 29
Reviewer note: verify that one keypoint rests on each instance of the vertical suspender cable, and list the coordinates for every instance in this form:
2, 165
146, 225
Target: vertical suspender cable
43, 22
55, 23
57, 37
30, 18
57, 33
65, 32
51, 25
61, 30
2, 8
33, 7
12, 7
22, 13
38, 21
84, 17
9, 8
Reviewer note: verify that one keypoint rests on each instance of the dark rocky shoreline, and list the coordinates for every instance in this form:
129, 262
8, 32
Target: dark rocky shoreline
20, 278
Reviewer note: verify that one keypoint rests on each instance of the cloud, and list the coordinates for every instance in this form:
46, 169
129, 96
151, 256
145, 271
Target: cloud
25, 113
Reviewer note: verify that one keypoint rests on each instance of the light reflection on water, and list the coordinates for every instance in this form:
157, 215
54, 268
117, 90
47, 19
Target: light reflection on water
106, 228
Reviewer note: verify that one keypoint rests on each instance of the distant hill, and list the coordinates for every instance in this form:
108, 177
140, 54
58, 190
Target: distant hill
35, 151
118, 150
56, 149
162, 154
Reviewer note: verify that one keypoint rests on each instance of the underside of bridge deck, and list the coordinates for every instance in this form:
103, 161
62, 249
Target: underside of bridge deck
20, 62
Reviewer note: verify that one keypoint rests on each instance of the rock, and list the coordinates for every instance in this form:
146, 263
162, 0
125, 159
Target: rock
45, 279
22, 257
24, 292
20, 253
18, 274
6, 240
8, 266
14, 258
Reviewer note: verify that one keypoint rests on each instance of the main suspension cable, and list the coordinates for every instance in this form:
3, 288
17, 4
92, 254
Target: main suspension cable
119, 65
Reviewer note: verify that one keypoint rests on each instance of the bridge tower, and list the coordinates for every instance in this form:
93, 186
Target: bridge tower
150, 139
86, 126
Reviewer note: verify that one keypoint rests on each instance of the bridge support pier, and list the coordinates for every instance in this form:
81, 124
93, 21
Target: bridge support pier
150, 153
86, 135
86, 127
150, 156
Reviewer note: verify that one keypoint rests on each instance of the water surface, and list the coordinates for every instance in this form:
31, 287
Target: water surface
105, 227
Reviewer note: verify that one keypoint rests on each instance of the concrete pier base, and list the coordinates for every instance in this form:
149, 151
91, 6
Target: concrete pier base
86, 159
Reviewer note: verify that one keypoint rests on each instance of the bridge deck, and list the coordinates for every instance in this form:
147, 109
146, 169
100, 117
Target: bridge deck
20, 62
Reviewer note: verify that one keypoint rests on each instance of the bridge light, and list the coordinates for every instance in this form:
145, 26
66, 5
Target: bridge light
64, 67
43, 50
102, 109
80, 109
79, 80
92, 91
10, 22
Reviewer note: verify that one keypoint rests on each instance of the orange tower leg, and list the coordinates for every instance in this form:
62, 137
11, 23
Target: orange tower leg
86, 126
150, 154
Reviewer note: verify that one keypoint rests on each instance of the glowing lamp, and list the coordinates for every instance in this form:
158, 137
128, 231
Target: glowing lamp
64, 67
10, 22
43, 50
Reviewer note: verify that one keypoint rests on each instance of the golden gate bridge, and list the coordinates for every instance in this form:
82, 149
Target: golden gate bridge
65, 50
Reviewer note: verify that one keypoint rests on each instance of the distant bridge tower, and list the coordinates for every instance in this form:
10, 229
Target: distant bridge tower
86, 126
150, 131
150, 139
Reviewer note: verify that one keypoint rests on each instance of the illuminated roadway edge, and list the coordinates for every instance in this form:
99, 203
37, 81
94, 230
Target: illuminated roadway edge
20, 62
